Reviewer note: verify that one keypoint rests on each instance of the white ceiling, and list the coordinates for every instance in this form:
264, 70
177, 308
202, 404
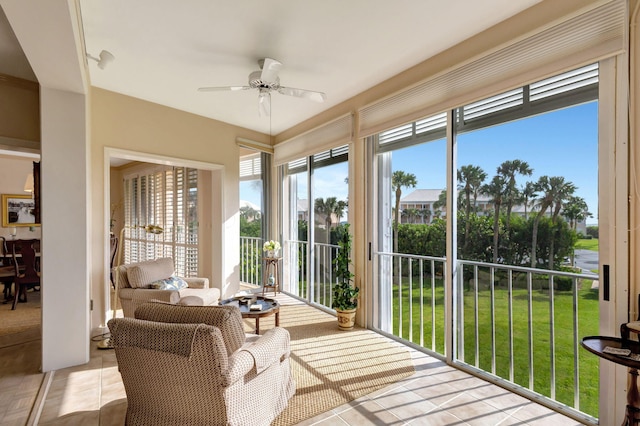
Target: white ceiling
166, 49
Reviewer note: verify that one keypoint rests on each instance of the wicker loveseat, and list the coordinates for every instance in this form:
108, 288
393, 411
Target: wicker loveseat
178, 368
135, 281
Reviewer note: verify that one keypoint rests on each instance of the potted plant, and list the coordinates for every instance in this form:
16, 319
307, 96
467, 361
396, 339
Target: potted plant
345, 294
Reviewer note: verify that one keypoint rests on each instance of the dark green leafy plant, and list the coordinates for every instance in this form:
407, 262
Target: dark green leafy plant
345, 295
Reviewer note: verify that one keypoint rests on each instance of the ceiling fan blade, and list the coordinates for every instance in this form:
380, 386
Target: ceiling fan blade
264, 103
223, 89
301, 93
270, 70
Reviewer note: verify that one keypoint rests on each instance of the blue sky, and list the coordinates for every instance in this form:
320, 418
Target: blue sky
560, 143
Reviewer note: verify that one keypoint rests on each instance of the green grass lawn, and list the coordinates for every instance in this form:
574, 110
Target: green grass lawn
563, 336
587, 244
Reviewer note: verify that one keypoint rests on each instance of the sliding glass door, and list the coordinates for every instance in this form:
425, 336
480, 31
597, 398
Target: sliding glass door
514, 282
314, 226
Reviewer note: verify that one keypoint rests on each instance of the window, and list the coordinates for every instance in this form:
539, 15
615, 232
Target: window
166, 197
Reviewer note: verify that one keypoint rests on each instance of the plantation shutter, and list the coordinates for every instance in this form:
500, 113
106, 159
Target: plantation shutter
251, 167
591, 36
166, 197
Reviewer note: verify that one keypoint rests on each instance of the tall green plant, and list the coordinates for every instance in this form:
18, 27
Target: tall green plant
345, 295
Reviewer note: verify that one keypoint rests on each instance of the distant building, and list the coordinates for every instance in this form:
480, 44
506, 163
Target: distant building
250, 210
418, 207
303, 209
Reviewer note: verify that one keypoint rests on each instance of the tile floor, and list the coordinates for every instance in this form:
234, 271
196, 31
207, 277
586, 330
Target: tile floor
92, 394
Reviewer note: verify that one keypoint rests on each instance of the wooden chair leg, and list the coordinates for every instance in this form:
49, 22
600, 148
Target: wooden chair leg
16, 295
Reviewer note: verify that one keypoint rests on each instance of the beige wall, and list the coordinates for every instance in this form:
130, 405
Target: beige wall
131, 124
19, 109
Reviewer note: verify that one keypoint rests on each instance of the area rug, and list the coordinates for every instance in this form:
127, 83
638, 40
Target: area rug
333, 367
27, 317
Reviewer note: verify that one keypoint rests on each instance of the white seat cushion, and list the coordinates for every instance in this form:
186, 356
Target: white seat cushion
199, 296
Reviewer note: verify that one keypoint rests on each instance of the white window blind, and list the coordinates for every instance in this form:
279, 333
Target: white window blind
167, 198
584, 39
330, 135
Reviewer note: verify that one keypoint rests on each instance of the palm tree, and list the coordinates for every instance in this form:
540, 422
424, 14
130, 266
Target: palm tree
509, 170
544, 186
554, 190
470, 180
339, 209
412, 214
425, 213
576, 210
495, 189
404, 214
441, 203
400, 180
527, 193
327, 208
564, 191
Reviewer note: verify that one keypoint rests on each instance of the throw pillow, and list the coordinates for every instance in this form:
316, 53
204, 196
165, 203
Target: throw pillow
171, 283
142, 274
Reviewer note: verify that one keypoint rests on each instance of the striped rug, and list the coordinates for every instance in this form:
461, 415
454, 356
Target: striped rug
333, 367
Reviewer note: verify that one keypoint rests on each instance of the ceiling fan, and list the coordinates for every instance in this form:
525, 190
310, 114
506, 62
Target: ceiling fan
266, 80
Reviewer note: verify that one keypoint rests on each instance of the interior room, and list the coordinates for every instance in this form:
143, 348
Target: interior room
276, 152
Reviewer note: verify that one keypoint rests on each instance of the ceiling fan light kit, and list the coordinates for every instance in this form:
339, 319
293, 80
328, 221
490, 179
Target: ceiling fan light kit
267, 80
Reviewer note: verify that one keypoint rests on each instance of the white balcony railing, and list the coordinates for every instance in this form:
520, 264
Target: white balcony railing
251, 260
520, 325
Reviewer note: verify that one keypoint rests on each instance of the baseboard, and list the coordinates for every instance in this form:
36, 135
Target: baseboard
38, 405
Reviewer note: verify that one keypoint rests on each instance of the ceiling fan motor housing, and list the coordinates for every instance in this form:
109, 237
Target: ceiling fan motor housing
256, 83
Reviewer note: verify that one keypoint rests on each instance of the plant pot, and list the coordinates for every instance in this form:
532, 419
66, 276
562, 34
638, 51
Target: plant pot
346, 319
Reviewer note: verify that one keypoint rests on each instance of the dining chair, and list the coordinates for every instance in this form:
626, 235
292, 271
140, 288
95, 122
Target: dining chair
7, 271
27, 275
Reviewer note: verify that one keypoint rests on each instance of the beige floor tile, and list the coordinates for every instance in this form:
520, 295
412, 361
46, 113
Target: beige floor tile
473, 411
405, 404
498, 397
433, 390
512, 421
438, 418
369, 413
535, 414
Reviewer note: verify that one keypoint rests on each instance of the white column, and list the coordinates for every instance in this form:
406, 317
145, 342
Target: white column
65, 224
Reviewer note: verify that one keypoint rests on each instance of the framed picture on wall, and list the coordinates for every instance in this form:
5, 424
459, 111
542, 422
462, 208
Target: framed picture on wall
18, 210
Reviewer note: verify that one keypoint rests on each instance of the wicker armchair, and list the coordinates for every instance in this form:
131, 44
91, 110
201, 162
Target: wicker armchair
134, 279
176, 371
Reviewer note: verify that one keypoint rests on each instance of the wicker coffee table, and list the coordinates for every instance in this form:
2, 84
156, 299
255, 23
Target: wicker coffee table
269, 307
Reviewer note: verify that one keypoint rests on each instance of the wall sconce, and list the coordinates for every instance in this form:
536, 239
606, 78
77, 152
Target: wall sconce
28, 184
13, 231
104, 59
